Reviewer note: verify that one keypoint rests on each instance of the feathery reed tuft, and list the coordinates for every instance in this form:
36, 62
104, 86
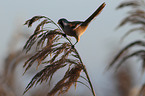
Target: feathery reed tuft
65, 83
142, 91
132, 3
55, 53
136, 17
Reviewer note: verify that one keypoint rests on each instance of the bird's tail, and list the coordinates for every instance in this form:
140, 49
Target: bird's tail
97, 12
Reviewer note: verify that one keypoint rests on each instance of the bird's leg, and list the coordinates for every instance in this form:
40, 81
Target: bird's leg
72, 47
75, 43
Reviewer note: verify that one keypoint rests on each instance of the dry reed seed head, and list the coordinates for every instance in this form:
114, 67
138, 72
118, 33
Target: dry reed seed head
38, 56
135, 17
74, 73
42, 54
142, 91
143, 62
141, 29
66, 54
73, 61
49, 73
30, 42
56, 54
50, 39
133, 44
74, 55
41, 37
56, 39
138, 13
51, 36
38, 31
128, 3
32, 20
124, 80
143, 65
46, 38
65, 83
63, 46
136, 53
133, 20
41, 25
44, 74
60, 53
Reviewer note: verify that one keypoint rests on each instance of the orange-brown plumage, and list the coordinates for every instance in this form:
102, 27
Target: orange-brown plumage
77, 28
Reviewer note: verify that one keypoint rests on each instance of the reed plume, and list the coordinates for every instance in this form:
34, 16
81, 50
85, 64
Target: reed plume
55, 51
136, 16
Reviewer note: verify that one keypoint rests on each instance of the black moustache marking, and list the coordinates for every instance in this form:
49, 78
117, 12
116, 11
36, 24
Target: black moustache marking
61, 23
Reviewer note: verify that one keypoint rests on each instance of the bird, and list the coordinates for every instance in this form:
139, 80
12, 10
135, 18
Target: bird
77, 28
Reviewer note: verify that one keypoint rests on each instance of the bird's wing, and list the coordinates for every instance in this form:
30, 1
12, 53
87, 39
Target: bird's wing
74, 24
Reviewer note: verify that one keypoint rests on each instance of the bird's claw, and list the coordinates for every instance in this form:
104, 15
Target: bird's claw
72, 46
64, 35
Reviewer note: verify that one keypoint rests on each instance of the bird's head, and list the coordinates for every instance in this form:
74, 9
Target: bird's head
62, 22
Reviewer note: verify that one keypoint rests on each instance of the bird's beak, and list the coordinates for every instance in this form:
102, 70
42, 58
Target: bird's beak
58, 22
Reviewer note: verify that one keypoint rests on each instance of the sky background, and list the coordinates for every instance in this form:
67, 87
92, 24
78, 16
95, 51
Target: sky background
97, 45
100, 33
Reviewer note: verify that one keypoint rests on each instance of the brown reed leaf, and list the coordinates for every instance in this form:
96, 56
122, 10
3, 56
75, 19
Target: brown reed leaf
48, 43
142, 91
49, 70
38, 56
133, 20
41, 25
58, 51
42, 54
32, 20
74, 55
128, 3
8, 62
143, 62
53, 66
139, 53
46, 38
136, 43
124, 81
13, 60
44, 74
72, 61
136, 16
65, 83
138, 29
30, 42
41, 36
138, 13
40, 33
